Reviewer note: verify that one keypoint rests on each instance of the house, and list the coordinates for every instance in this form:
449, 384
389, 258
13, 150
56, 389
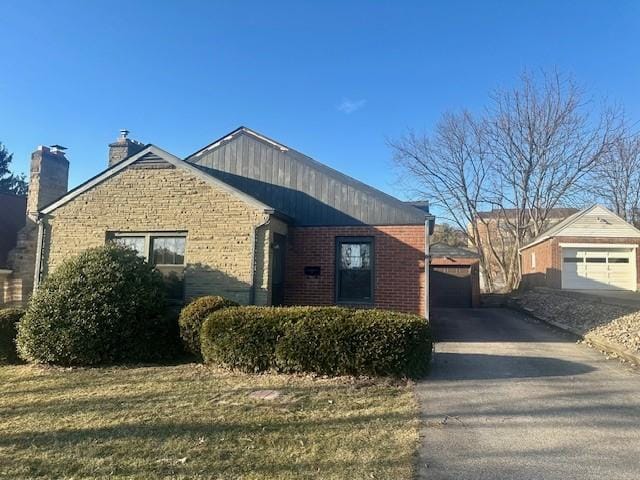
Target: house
454, 278
245, 217
593, 249
495, 235
12, 220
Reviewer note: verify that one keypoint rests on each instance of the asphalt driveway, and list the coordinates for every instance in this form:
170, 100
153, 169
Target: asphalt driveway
511, 398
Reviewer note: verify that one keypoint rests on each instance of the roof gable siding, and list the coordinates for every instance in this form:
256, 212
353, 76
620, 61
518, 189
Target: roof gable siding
599, 222
300, 187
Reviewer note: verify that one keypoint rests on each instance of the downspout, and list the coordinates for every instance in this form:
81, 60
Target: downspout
254, 238
429, 223
39, 244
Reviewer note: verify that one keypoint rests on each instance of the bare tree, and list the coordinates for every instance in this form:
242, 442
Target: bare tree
533, 149
545, 141
617, 179
450, 168
452, 236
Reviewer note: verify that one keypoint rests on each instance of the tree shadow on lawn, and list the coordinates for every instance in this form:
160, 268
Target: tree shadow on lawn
210, 447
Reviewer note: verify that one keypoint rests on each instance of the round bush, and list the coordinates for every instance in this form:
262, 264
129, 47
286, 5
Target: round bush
9, 319
193, 316
324, 340
106, 305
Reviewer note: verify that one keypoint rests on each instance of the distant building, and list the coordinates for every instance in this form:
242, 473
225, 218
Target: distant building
493, 228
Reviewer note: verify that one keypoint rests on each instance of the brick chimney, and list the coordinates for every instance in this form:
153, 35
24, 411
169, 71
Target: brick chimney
49, 177
122, 148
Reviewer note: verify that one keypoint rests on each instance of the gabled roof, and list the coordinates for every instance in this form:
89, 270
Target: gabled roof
154, 153
562, 227
560, 212
306, 190
440, 250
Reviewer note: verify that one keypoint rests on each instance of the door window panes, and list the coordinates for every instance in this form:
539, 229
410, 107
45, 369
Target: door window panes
354, 271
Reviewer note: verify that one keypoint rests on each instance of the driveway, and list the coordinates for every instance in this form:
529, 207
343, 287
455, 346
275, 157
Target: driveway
511, 398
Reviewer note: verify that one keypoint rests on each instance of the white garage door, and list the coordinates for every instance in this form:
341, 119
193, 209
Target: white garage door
593, 268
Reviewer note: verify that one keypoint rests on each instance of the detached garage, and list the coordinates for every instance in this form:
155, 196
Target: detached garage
454, 277
593, 249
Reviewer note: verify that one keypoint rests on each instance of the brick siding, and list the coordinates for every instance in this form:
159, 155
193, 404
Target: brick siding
398, 265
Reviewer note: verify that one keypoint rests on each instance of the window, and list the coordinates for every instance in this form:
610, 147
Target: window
168, 257
354, 270
618, 260
596, 260
572, 260
134, 243
166, 251
533, 260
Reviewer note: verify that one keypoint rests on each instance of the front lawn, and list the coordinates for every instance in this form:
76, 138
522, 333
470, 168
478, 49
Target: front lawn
192, 422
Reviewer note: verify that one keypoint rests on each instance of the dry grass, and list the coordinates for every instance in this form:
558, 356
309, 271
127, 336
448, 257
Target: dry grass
191, 422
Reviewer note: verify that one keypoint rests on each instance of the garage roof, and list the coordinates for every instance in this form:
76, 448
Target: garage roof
444, 250
594, 221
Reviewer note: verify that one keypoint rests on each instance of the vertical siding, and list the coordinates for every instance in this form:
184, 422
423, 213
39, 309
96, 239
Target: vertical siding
311, 193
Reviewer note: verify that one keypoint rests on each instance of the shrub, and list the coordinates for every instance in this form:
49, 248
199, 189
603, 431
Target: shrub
324, 340
106, 305
9, 318
357, 342
193, 316
244, 338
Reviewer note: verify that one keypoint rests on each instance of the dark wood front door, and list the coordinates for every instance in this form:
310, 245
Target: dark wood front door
450, 286
277, 269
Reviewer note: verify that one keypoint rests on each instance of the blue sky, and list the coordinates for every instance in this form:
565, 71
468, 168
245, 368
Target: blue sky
333, 79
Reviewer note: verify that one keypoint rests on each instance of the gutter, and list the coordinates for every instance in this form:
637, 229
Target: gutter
38, 264
254, 238
533, 243
429, 225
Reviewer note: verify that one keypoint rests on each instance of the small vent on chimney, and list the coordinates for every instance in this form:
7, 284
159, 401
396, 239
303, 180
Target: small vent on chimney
124, 133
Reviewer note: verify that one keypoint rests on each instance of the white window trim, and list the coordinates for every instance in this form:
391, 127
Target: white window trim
147, 244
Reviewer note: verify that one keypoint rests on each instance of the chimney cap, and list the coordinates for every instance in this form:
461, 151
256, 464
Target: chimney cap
58, 149
124, 133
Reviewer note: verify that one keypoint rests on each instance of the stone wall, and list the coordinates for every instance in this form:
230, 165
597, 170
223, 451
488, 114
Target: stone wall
22, 259
48, 179
219, 227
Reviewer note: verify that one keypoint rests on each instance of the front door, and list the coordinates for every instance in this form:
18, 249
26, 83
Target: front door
277, 269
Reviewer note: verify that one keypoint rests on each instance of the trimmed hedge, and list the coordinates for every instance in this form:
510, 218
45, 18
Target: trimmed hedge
323, 340
193, 316
9, 319
106, 305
